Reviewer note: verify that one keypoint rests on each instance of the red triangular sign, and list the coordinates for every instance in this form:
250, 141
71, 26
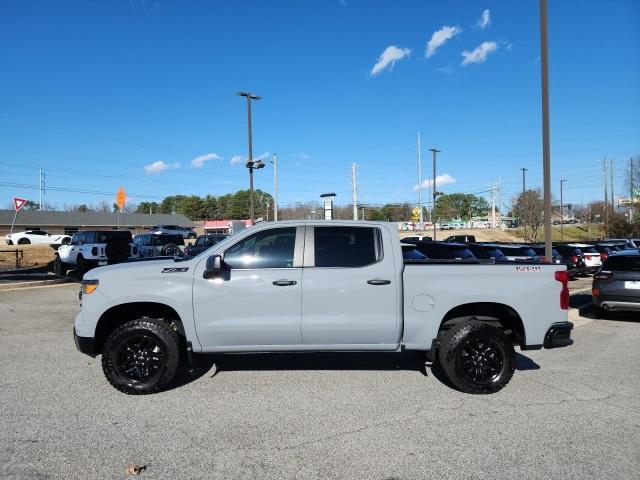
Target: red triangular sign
18, 203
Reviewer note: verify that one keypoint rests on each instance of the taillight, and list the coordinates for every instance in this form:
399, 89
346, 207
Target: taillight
595, 292
542, 259
604, 256
563, 276
574, 259
603, 275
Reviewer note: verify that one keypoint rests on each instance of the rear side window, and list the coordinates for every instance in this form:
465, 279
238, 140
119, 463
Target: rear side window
622, 264
346, 246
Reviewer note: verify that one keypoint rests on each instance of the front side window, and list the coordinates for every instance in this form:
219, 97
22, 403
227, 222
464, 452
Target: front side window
267, 249
346, 246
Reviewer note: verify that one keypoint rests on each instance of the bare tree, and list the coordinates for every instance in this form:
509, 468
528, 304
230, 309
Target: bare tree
529, 211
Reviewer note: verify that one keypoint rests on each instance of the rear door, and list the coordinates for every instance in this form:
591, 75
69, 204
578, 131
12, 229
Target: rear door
349, 291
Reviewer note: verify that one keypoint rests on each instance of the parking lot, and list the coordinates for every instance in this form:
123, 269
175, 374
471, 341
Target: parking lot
568, 413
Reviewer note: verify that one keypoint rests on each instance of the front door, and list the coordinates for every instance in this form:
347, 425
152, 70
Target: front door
258, 299
349, 288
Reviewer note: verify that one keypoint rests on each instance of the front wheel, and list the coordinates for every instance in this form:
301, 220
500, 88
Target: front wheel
141, 356
477, 357
59, 268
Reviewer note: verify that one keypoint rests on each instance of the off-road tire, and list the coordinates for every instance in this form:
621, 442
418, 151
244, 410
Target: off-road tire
24, 241
480, 347
117, 251
81, 266
169, 351
169, 248
59, 267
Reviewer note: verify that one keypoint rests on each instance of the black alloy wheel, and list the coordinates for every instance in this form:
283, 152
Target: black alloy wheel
480, 360
139, 357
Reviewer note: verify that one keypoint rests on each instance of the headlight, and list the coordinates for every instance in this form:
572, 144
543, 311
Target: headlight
89, 286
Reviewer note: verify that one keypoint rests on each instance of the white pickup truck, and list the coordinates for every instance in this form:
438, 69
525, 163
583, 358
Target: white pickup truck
319, 286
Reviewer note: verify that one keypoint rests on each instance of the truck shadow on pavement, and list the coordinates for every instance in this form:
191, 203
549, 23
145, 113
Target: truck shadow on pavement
216, 364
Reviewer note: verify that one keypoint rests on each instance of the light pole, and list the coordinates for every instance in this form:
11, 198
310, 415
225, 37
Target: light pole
435, 192
251, 165
561, 212
524, 185
275, 187
546, 150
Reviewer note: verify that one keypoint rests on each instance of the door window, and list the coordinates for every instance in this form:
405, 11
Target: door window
268, 249
346, 246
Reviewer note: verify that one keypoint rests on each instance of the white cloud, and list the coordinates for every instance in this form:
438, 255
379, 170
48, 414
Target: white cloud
262, 157
448, 69
391, 55
160, 166
485, 19
198, 162
440, 37
480, 53
301, 156
444, 179
236, 160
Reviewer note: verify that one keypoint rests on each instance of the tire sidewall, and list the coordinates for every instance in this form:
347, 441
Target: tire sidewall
165, 338
451, 356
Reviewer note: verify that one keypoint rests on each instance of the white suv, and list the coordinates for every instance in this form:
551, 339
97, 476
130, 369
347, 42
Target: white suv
186, 232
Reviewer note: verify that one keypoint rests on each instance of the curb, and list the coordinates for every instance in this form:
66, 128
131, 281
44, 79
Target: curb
8, 287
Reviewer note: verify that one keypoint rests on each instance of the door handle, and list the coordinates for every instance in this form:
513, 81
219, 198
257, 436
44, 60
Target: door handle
378, 281
284, 283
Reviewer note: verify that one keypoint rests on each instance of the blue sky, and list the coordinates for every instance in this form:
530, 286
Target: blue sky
94, 91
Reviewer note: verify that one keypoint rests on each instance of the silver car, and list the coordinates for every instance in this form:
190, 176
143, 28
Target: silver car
186, 232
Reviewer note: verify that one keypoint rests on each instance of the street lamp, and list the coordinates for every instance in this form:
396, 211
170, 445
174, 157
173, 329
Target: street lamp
561, 212
435, 193
251, 165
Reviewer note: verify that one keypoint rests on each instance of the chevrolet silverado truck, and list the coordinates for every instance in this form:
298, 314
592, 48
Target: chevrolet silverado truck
319, 286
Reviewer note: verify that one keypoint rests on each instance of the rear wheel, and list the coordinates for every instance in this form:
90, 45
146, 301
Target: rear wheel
170, 250
477, 357
24, 241
142, 356
81, 266
59, 267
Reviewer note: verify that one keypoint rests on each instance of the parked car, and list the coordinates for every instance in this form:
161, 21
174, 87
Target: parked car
575, 254
461, 239
36, 237
185, 232
202, 243
481, 249
556, 257
606, 249
93, 248
627, 242
460, 251
151, 245
592, 258
409, 252
249, 294
433, 250
516, 253
617, 285
416, 238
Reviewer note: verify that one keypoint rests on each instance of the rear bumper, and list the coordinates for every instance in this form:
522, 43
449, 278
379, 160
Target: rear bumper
84, 345
558, 335
616, 305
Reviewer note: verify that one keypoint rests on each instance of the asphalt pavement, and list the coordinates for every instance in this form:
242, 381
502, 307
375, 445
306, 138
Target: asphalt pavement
567, 413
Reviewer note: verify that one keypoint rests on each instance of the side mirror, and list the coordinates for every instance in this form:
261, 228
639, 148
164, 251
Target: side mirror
213, 268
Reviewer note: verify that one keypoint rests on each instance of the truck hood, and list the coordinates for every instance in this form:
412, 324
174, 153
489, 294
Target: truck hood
141, 269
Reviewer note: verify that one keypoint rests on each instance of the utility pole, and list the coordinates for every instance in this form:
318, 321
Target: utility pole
354, 191
435, 192
251, 165
613, 202
606, 197
631, 188
561, 212
546, 149
493, 205
275, 187
40, 204
524, 185
421, 219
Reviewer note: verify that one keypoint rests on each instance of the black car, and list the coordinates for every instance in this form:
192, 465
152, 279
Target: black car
573, 269
461, 239
152, 245
616, 286
446, 251
491, 251
202, 243
574, 254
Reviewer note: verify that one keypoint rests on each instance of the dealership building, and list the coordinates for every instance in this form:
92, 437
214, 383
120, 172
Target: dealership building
70, 222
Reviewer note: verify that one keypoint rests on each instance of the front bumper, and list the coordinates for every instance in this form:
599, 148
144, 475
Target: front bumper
558, 335
84, 345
